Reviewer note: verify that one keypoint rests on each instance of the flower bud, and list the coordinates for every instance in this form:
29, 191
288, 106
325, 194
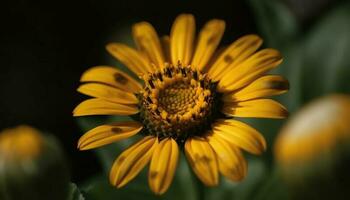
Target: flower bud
313, 149
32, 166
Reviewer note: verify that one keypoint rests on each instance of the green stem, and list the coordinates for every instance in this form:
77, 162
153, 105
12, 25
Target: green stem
200, 189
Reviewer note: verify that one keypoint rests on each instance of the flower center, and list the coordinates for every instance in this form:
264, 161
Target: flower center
178, 102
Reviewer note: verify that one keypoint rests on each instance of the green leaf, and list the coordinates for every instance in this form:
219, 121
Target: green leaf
244, 190
272, 188
276, 22
315, 65
74, 193
326, 63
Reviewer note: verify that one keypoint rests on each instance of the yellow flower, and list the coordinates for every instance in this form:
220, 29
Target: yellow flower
316, 129
312, 150
32, 165
20, 143
189, 98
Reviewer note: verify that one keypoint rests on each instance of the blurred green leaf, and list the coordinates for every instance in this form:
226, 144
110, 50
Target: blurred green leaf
74, 193
244, 190
276, 22
326, 61
315, 65
272, 188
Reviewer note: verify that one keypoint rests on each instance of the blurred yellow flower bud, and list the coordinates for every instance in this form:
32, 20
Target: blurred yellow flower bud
32, 166
313, 149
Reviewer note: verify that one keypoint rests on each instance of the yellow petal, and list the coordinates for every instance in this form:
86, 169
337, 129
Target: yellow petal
261, 108
208, 40
132, 161
165, 42
240, 135
111, 76
230, 159
249, 70
265, 86
163, 165
108, 93
147, 41
103, 107
131, 58
203, 160
181, 39
107, 134
236, 53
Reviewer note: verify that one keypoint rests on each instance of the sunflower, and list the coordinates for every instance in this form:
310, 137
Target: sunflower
189, 98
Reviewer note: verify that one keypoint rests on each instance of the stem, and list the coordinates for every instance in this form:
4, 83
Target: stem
200, 188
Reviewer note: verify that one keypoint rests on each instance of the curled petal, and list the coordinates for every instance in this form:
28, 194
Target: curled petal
163, 165
203, 160
132, 161
230, 159
240, 135
108, 133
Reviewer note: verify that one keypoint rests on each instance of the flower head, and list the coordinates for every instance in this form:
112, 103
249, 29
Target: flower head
312, 150
188, 99
20, 143
32, 165
319, 128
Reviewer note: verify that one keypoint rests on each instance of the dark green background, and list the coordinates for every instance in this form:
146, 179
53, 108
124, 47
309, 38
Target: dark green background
46, 45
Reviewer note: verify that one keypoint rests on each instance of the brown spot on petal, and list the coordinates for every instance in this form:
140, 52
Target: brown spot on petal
120, 78
116, 130
121, 159
141, 42
211, 39
279, 85
202, 159
228, 59
153, 174
268, 60
205, 159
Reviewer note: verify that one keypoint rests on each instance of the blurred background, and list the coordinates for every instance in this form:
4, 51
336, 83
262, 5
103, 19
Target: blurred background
46, 45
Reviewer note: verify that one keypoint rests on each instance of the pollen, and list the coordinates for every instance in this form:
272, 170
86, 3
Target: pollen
177, 101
